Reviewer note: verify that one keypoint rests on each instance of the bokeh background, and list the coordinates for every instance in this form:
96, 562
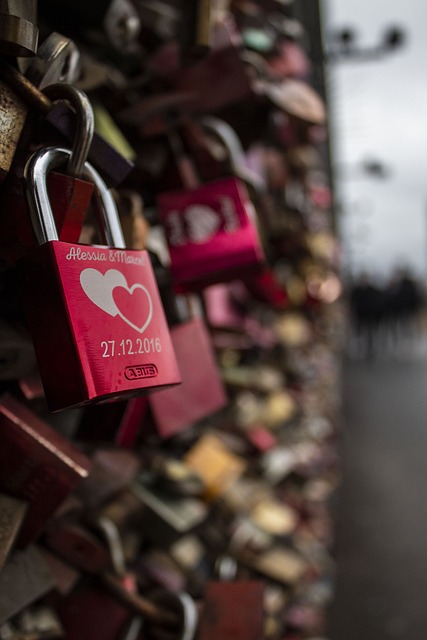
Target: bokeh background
378, 106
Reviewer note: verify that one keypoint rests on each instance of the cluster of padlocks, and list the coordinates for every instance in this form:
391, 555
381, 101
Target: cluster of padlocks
170, 324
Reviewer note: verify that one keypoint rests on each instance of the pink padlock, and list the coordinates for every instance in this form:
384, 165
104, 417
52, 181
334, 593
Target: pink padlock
201, 392
210, 228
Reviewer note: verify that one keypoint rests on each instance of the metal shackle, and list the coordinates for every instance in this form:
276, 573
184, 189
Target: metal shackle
85, 123
228, 137
35, 175
57, 60
183, 604
226, 568
231, 141
190, 616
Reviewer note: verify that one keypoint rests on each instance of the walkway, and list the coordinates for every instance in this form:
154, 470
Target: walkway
381, 589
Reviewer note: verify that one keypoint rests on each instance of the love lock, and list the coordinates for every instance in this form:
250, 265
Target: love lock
95, 314
210, 228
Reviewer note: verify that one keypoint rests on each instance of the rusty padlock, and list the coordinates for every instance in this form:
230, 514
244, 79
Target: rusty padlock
210, 228
60, 121
37, 465
13, 113
96, 307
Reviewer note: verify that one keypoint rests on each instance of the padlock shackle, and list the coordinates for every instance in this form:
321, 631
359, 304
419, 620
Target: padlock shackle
186, 167
35, 174
234, 148
228, 137
85, 123
185, 606
57, 60
226, 568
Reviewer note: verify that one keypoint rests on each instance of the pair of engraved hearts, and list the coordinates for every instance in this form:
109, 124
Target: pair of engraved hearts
111, 293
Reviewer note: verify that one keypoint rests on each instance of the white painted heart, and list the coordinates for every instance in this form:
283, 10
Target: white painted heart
99, 289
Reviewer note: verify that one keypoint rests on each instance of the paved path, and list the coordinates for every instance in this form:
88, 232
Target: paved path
381, 589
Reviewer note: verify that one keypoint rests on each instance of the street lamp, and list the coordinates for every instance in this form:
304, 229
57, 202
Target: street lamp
355, 239
367, 168
344, 46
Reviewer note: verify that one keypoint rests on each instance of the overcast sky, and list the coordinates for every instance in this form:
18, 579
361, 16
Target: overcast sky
379, 110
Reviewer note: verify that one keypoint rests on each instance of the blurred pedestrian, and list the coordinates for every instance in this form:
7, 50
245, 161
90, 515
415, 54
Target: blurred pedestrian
404, 302
367, 305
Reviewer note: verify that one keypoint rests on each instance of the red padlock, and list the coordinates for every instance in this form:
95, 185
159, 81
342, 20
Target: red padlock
233, 610
218, 81
95, 314
210, 229
201, 393
91, 613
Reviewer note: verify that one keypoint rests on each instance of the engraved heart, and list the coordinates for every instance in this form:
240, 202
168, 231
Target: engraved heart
111, 293
134, 306
99, 288
202, 222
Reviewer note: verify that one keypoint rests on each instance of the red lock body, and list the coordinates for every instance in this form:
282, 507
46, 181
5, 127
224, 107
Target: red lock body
95, 314
201, 393
97, 322
233, 611
211, 234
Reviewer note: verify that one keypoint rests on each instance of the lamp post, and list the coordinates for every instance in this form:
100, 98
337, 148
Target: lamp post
371, 169
366, 168
343, 46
